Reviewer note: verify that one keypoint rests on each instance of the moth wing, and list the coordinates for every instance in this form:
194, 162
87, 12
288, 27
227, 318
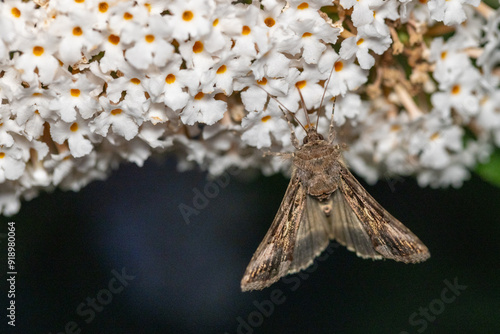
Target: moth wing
312, 235
370, 228
348, 230
273, 257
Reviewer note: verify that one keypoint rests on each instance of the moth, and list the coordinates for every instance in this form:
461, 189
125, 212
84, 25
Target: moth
324, 202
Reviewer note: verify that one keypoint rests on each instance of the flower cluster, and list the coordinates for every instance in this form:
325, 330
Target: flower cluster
86, 85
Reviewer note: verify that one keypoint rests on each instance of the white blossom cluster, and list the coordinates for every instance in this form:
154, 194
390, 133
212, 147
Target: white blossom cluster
86, 85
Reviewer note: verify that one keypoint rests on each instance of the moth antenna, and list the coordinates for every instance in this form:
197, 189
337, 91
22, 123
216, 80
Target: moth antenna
288, 110
324, 93
303, 103
331, 130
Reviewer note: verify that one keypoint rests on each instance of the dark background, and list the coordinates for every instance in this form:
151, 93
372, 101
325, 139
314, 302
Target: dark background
187, 276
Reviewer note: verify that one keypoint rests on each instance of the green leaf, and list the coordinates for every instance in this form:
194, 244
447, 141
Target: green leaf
490, 171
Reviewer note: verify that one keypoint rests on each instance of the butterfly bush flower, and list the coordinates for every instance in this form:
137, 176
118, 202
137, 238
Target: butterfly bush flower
87, 85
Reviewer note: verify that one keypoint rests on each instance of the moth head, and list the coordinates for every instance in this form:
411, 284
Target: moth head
312, 135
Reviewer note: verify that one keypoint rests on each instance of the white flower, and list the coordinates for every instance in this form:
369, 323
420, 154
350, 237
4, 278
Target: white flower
255, 97
450, 61
12, 163
436, 143
387, 10
126, 19
346, 76
76, 134
307, 82
203, 109
174, 86
223, 74
196, 56
449, 11
113, 54
251, 38
348, 106
363, 10
122, 120
74, 94
37, 53
190, 18
489, 115
461, 96
8, 128
361, 44
273, 64
259, 126
150, 47
310, 38
77, 35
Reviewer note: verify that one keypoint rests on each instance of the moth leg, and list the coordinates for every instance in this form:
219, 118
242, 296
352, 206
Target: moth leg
331, 130
285, 155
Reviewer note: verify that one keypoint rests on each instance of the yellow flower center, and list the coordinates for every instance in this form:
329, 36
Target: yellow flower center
77, 31
15, 12
198, 47
300, 84
262, 82
338, 66
246, 30
269, 22
103, 7
170, 79
303, 6
187, 15
38, 51
113, 39
222, 69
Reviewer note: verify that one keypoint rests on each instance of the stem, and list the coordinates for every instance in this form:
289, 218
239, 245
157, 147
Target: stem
439, 30
411, 107
346, 34
485, 10
474, 52
397, 46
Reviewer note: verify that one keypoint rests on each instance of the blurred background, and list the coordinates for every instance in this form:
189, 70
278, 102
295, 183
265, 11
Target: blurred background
118, 257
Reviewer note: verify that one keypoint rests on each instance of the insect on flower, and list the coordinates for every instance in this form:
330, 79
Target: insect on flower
324, 202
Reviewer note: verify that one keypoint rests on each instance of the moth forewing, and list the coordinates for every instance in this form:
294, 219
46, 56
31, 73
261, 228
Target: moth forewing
389, 237
273, 257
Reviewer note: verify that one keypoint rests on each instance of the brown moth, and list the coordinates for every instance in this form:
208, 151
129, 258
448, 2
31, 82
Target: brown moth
324, 202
